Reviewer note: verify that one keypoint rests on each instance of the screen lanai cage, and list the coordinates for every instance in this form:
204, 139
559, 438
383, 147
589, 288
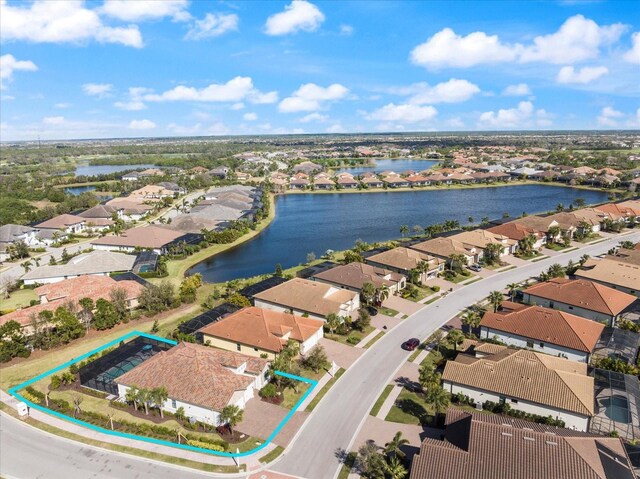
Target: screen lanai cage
193, 325
617, 344
617, 405
101, 373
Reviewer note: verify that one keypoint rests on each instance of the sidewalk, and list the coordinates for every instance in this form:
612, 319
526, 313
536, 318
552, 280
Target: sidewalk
368, 338
251, 462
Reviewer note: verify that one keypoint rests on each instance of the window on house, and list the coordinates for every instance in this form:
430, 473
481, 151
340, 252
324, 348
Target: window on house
530, 344
174, 405
239, 347
255, 349
514, 401
542, 345
570, 307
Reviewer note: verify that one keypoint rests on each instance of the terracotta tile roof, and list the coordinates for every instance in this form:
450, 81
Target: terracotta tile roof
99, 211
311, 296
444, 247
72, 290
617, 210
61, 222
547, 325
529, 376
537, 223
404, 258
584, 294
612, 272
355, 275
481, 238
191, 373
484, 446
130, 205
263, 328
515, 231
142, 237
631, 256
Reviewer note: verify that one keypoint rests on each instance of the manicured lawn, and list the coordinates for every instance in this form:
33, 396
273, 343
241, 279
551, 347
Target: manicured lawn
272, 455
556, 247
459, 278
433, 358
388, 311
324, 390
411, 408
375, 338
423, 292
534, 254
124, 449
432, 300
348, 464
380, 401
342, 338
19, 299
291, 397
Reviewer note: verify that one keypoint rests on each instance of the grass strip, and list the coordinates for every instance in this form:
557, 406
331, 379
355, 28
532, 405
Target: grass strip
380, 401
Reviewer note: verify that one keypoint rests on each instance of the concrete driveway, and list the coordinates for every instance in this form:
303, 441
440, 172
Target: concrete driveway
402, 305
343, 354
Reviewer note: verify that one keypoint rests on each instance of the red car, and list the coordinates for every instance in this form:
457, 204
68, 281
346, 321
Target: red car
411, 344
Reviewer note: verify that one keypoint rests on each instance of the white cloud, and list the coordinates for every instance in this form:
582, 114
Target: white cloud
141, 10
404, 113
578, 39
218, 129
213, 25
311, 97
523, 116
9, 64
62, 22
53, 120
235, 90
521, 89
250, 117
314, 117
299, 15
633, 55
569, 74
97, 89
142, 125
346, 30
62, 105
455, 123
452, 91
130, 105
237, 106
335, 128
609, 117
448, 49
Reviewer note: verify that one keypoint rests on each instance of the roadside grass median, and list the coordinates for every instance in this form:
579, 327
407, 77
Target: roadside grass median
380, 401
314, 402
271, 455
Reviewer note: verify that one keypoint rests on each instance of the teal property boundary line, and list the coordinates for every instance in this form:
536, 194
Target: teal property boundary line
15, 392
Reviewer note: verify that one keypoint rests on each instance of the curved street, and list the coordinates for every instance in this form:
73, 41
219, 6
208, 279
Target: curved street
331, 428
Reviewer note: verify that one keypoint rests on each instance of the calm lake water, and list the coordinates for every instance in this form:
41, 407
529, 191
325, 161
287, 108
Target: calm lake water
307, 223
397, 165
92, 170
78, 190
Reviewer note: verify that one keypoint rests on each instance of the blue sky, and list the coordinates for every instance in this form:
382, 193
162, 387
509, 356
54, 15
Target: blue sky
113, 68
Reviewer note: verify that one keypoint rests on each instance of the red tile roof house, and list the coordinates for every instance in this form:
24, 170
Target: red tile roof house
200, 379
403, 260
353, 276
518, 232
487, 446
65, 224
72, 290
262, 332
543, 330
298, 183
145, 237
588, 299
347, 182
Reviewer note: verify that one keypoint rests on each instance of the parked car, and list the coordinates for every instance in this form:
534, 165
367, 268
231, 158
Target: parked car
411, 344
475, 267
372, 311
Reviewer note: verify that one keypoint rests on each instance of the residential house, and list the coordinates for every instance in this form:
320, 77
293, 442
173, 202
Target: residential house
445, 247
354, 275
145, 237
480, 239
200, 380
137, 175
298, 183
11, 234
485, 446
573, 223
615, 274
172, 186
101, 217
585, 298
262, 332
395, 181
323, 183
300, 296
403, 260
307, 167
619, 212
540, 224
64, 224
95, 263
527, 381
221, 172
543, 330
372, 182
71, 291
133, 209
347, 181
518, 232
151, 192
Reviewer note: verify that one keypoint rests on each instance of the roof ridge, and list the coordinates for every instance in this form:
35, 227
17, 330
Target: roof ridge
560, 374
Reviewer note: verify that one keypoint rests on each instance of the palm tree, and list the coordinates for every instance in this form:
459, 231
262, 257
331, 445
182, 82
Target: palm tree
77, 400
495, 298
440, 400
27, 266
382, 293
438, 338
159, 397
36, 261
231, 415
457, 258
404, 230
471, 319
395, 469
368, 292
392, 448
133, 395
333, 321
110, 416
492, 252
455, 337
512, 290
144, 396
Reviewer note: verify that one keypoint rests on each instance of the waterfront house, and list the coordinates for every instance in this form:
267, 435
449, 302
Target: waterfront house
347, 181
527, 381
301, 296
307, 167
354, 275
298, 183
322, 181
480, 239
444, 248
543, 330
539, 224
517, 232
262, 332
372, 181
585, 298
402, 260
395, 181
145, 237
200, 380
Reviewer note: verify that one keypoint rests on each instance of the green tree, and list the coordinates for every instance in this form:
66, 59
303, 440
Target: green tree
316, 359
106, 315
368, 293
239, 300
119, 300
87, 305
278, 272
393, 447
404, 230
159, 396
333, 321
440, 399
512, 287
382, 294
395, 469
472, 319
457, 261
495, 299
492, 252
27, 266
231, 415
455, 338
12, 342
364, 319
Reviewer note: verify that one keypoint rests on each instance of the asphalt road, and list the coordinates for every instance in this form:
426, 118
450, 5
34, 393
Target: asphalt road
336, 420
28, 453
